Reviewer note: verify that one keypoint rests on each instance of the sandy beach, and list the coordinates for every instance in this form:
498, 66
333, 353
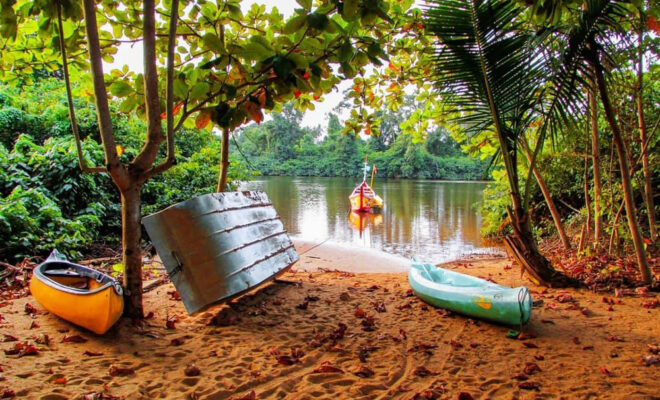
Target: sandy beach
330, 330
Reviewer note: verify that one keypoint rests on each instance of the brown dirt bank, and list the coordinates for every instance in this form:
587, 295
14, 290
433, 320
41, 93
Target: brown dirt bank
279, 340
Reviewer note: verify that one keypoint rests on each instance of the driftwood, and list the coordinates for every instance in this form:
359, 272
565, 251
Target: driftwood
155, 284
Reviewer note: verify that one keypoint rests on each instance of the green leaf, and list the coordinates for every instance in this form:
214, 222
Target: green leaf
346, 52
180, 89
256, 51
306, 4
213, 42
350, 10
128, 104
120, 89
294, 24
199, 91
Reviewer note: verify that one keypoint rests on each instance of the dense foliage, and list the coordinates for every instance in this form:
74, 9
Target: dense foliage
282, 147
46, 202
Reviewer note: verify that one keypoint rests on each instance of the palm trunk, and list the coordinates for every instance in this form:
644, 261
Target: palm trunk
648, 177
132, 257
224, 161
548, 199
595, 157
640, 253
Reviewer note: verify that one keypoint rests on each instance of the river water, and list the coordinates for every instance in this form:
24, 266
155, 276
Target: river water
434, 221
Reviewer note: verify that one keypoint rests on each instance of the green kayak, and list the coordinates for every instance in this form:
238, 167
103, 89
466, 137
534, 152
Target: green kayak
471, 296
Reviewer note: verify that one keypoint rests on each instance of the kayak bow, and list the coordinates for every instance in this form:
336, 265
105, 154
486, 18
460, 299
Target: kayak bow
469, 295
78, 294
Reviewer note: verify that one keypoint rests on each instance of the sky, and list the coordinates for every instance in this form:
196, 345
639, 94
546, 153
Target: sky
131, 55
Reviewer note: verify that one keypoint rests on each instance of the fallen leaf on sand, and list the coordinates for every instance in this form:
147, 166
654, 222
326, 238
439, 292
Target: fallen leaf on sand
530, 345
605, 371
10, 338
520, 377
380, 307
92, 354
539, 357
529, 385
249, 396
176, 342
303, 305
327, 367
99, 396
8, 394
116, 370
530, 368
192, 370
576, 340
650, 360
363, 372
360, 313
344, 296
29, 309
224, 317
170, 323
73, 339
60, 381
423, 371
465, 396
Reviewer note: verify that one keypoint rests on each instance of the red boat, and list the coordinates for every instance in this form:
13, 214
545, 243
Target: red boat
363, 198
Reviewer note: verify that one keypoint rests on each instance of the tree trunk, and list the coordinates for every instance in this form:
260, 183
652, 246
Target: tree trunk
548, 199
640, 253
595, 157
648, 177
224, 161
587, 198
132, 257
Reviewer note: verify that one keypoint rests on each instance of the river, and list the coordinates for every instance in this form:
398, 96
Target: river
435, 221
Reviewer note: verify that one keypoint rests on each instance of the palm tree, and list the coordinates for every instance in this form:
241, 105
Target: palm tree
487, 66
599, 22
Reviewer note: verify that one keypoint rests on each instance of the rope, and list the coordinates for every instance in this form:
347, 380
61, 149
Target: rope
525, 293
313, 247
243, 155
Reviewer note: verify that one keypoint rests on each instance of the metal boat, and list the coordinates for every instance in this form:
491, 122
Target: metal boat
217, 246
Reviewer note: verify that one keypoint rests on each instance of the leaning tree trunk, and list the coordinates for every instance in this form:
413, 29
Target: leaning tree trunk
595, 157
224, 161
131, 235
548, 199
640, 253
648, 176
523, 243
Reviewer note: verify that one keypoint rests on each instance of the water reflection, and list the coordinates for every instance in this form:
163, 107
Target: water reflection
435, 221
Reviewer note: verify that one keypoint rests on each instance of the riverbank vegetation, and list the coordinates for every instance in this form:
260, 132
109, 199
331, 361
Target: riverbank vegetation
282, 146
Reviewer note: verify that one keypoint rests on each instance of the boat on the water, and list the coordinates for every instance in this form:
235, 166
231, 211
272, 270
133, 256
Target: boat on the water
78, 294
469, 295
363, 198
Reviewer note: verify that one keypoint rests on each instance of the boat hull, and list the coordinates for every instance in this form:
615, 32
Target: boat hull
218, 246
469, 295
96, 308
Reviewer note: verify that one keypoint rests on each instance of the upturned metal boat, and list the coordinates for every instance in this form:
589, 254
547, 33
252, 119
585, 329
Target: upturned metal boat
469, 295
78, 294
219, 245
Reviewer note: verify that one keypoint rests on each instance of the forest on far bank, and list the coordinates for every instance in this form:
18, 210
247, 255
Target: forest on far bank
281, 146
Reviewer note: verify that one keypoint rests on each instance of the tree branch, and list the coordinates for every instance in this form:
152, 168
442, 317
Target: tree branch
72, 115
149, 152
170, 160
116, 170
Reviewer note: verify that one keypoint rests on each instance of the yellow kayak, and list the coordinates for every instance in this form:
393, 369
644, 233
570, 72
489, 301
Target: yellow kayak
78, 294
